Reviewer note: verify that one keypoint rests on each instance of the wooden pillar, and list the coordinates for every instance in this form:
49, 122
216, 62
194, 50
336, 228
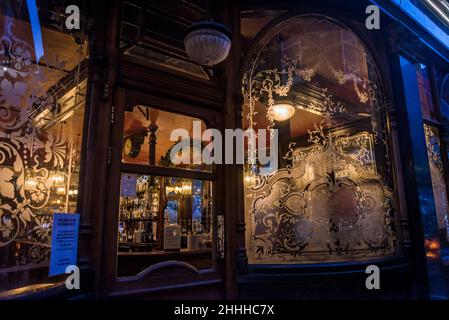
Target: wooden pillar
402, 218
403, 152
235, 252
95, 148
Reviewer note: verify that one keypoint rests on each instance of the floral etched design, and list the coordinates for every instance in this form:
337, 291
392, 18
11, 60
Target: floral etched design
27, 154
330, 201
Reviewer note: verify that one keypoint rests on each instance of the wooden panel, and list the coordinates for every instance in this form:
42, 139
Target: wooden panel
168, 84
166, 172
136, 263
159, 23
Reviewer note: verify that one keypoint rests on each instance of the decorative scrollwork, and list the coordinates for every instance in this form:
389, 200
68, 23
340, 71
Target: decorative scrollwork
437, 175
330, 198
28, 155
330, 201
432, 145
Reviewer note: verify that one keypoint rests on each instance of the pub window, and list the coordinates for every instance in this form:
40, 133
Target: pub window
166, 214
444, 113
42, 102
438, 180
331, 198
433, 120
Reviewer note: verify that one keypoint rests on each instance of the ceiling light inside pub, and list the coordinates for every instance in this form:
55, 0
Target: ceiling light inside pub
282, 111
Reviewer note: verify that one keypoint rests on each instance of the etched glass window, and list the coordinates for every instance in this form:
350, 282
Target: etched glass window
42, 94
438, 180
331, 198
434, 147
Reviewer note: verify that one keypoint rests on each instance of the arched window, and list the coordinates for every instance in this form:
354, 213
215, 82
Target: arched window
330, 198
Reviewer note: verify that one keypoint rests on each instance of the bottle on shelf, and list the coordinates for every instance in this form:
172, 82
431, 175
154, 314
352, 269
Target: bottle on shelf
130, 236
154, 233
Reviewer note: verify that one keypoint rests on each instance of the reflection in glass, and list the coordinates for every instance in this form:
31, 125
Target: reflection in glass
147, 139
425, 92
438, 181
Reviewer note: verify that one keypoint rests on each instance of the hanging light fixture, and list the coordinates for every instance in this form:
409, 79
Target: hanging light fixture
207, 42
282, 111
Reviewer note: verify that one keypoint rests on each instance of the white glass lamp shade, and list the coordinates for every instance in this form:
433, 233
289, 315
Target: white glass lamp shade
282, 111
207, 42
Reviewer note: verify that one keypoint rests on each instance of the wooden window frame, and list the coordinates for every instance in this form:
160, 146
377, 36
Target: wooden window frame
170, 274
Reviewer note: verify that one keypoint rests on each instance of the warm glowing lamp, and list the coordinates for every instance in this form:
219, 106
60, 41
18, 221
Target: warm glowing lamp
186, 187
282, 111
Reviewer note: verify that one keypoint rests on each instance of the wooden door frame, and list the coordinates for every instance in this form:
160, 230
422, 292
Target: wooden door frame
168, 275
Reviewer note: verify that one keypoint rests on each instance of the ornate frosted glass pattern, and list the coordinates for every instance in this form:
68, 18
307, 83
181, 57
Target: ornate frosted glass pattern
221, 236
332, 198
41, 118
437, 175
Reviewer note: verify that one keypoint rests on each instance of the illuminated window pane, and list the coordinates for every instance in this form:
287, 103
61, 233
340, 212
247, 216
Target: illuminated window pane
41, 129
331, 199
163, 218
147, 139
